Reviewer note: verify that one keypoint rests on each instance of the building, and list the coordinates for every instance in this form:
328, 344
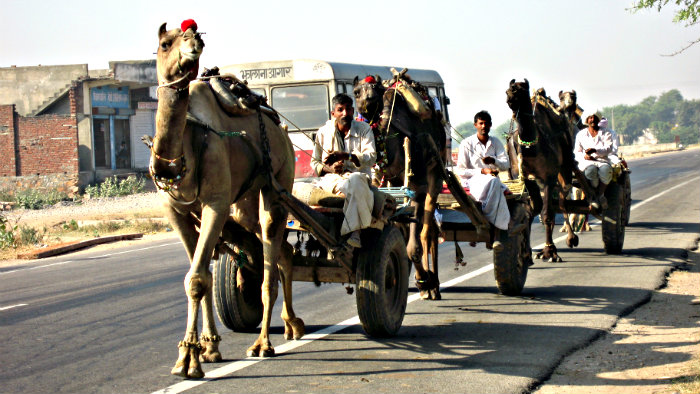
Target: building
106, 111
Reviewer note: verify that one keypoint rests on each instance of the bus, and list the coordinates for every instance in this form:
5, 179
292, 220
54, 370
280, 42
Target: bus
301, 91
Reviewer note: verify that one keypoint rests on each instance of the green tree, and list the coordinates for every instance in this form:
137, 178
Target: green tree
687, 12
664, 109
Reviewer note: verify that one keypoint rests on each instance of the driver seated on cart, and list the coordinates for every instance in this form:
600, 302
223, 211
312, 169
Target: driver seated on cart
479, 160
343, 156
592, 147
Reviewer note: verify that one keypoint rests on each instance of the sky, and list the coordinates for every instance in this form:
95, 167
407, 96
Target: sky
599, 48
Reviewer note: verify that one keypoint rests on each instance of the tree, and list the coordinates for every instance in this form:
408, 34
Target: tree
688, 13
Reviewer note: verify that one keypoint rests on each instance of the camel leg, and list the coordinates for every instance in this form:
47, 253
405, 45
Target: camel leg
571, 238
293, 326
272, 220
198, 283
428, 239
549, 252
414, 247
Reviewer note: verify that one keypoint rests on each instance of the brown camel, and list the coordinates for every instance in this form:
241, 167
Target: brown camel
569, 107
210, 171
545, 152
426, 136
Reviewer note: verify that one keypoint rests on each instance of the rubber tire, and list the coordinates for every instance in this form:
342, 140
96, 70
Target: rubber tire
382, 282
510, 265
614, 233
627, 199
240, 311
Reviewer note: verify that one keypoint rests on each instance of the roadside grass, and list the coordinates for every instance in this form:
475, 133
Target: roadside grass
18, 238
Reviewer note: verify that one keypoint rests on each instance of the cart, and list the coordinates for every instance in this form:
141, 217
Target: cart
616, 216
460, 219
379, 270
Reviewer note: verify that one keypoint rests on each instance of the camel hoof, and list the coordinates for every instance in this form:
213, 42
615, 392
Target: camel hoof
261, 351
294, 329
210, 349
573, 242
424, 294
187, 365
435, 294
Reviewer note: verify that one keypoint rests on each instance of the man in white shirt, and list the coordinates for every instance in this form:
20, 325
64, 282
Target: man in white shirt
479, 160
343, 156
591, 150
613, 156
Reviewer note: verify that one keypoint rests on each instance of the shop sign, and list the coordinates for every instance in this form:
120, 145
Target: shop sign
110, 96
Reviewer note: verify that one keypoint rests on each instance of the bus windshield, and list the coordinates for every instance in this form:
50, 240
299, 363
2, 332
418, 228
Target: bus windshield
305, 106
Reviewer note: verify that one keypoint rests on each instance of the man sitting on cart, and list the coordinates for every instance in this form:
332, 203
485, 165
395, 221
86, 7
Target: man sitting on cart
479, 160
591, 150
344, 154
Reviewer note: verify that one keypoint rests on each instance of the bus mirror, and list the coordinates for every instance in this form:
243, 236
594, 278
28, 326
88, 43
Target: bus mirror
447, 100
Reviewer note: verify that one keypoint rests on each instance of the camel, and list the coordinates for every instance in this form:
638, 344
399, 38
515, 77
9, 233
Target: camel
545, 152
426, 139
569, 107
208, 178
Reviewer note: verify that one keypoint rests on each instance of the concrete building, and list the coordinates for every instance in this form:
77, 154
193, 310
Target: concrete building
111, 109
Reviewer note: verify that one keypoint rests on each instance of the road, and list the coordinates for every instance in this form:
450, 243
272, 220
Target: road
104, 322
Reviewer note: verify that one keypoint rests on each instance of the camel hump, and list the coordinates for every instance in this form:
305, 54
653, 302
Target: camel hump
235, 97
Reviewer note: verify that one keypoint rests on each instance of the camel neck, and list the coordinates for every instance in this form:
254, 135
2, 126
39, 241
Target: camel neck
527, 124
170, 122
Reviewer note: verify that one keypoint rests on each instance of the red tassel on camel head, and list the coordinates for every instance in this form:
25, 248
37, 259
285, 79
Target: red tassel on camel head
188, 24
369, 79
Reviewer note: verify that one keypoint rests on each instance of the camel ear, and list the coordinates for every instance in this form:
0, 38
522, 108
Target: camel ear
573, 91
560, 92
378, 78
512, 82
162, 30
355, 81
527, 84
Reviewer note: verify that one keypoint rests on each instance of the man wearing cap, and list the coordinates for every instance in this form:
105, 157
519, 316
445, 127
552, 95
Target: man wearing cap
343, 156
591, 150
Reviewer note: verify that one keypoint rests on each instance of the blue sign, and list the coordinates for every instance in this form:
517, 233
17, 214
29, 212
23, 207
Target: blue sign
110, 96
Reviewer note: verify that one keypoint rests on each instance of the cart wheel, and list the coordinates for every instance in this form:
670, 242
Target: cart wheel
382, 283
628, 199
614, 232
237, 291
511, 264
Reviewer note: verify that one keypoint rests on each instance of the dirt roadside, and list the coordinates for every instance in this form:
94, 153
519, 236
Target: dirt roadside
653, 350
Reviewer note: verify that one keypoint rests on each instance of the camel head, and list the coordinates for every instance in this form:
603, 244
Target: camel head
178, 54
518, 95
368, 96
567, 101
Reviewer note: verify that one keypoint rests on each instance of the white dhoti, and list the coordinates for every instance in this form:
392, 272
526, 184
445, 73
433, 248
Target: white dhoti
488, 190
359, 199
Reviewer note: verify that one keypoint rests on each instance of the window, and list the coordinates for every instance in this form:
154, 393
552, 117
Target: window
305, 106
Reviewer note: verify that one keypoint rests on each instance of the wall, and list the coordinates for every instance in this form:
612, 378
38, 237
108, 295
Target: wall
30, 87
38, 152
7, 140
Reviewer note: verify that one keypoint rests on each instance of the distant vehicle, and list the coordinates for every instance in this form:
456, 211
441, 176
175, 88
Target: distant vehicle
680, 146
301, 91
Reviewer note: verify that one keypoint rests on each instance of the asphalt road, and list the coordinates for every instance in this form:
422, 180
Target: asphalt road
105, 322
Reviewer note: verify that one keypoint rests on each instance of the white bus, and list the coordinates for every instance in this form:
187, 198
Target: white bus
301, 91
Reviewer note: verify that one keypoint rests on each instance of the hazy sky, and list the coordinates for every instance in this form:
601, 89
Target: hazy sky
606, 53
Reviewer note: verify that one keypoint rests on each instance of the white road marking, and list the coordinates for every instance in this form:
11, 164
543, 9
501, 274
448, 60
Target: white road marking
4, 308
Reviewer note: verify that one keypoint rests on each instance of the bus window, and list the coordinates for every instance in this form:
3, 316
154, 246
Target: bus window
305, 106
339, 88
432, 91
